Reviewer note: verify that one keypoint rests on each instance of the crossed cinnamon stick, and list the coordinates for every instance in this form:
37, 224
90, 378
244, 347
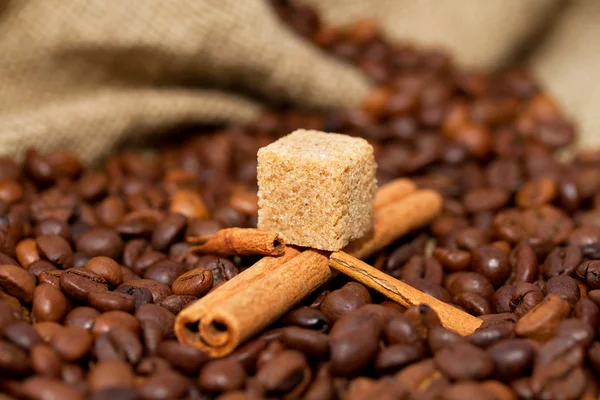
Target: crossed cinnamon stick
254, 299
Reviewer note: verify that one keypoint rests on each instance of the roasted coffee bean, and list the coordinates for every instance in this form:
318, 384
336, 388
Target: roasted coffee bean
159, 291
39, 266
49, 303
353, 351
562, 261
164, 385
17, 282
118, 343
453, 260
565, 287
543, 319
167, 230
45, 361
51, 277
106, 268
184, 358
141, 295
492, 263
472, 282
100, 242
196, 282
587, 238
110, 211
165, 271
111, 319
77, 283
472, 303
42, 388
222, 375
589, 271
309, 342
221, 268
22, 334
82, 317
287, 373
13, 359
502, 297
396, 356
111, 301
464, 361
524, 263
55, 249
511, 358
176, 302
350, 297
587, 311
110, 373
72, 343
524, 297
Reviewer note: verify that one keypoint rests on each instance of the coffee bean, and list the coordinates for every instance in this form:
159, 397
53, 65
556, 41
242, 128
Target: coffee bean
17, 282
473, 303
22, 334
39, 266
53, 226
196, 282
49, 303
26, 252
77, 283
430, 288
511, 358
287, 373
141, 295
309, 342
536, 193
13, 359
184, 358
110, 211
353, 351
524, 297
565, 287
167, 230
524, 262
45, 361
106, 268
158, 290
492, 263
472, 282
587, 311
82, 317
72, 343
56, 250
164, 271
542, 320
115, 393
453, 260
47, 330
222, 375
120, 344
111, 319
111, 301
100, 242
562, 261
309, 318
166, 385
176, 302
396, 356
110, 373
464, 361
350, 297
41, 388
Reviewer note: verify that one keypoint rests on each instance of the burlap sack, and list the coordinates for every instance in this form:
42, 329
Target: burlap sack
86, 75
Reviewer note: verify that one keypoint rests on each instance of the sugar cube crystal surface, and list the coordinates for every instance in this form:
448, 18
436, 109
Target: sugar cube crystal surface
317, 189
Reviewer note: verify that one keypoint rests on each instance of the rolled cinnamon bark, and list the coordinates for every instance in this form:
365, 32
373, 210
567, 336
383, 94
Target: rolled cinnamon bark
239, 242
243, 306
397, 219
251, 301
451, 318
393, 191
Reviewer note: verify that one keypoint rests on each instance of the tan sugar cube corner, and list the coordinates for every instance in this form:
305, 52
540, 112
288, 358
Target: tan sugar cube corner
317, 189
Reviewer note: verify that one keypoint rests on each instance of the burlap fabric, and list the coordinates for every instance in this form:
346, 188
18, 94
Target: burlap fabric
87, 75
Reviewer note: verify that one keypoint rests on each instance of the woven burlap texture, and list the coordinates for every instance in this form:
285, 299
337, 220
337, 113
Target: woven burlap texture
86, 75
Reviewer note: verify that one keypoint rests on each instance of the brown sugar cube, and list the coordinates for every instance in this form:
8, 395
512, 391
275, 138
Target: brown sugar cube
317, 189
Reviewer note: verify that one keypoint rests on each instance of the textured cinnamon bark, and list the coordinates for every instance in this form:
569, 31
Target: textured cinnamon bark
239, 242
396, 219
451, 317
245, 305
393, 191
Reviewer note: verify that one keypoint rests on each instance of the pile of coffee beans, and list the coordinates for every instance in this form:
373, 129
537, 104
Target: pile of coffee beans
94, 265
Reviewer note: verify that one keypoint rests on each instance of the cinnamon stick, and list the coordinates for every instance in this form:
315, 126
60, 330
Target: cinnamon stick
451, 318
251, 301
393, 191
396, 219
239, 242
246, 304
